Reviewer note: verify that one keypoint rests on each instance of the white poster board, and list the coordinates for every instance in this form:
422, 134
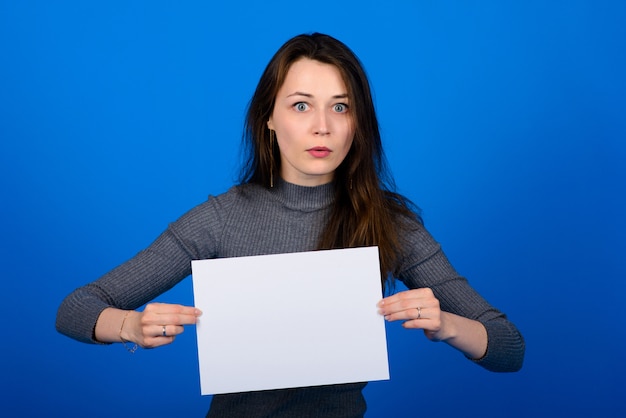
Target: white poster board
289, 320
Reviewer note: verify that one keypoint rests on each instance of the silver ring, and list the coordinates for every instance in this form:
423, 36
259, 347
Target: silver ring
419, 315
164, 334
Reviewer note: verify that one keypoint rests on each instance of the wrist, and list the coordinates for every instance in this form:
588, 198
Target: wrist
466, 335
448, 331
125, 335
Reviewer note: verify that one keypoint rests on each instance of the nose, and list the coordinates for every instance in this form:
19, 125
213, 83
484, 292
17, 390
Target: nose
321, 124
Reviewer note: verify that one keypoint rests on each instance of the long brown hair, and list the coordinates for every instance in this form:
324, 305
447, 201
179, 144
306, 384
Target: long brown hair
366, 208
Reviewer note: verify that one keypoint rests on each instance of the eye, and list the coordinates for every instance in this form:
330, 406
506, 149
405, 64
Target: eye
340, 107
301, 107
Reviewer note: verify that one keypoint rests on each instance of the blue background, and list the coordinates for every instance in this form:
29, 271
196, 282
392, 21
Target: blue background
505, 121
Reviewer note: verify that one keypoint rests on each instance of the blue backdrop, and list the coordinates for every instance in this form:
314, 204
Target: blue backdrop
503, 120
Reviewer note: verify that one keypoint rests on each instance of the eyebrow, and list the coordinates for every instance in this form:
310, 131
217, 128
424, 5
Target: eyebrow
299, 93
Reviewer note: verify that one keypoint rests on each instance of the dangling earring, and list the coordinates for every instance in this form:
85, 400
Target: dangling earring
271, 158
350, 183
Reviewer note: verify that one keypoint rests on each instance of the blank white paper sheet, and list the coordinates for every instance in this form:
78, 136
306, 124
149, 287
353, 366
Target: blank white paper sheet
289, 320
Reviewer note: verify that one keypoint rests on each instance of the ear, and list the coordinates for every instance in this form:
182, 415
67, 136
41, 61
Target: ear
270, 124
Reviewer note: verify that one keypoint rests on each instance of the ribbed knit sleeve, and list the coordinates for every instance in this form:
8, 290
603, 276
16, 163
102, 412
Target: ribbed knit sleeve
151, 272
425, 265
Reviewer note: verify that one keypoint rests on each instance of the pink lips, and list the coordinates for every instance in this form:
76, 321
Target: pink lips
319, 152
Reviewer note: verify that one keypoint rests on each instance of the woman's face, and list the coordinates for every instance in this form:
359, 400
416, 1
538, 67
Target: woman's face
313, 124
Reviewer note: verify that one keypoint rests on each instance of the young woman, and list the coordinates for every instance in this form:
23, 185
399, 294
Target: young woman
315, 178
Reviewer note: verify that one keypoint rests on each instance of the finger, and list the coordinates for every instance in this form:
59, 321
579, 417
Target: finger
153, 342
168, 319
171, 319
429, 325
402, 305
418, 314
166, 330
409, 294
406, 299
164, 308
154, 316
413, 306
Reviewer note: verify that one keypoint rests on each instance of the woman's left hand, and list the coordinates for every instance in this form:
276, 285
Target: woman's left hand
418, 308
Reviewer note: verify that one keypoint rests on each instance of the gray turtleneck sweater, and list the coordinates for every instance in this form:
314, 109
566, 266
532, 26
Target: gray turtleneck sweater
251, 220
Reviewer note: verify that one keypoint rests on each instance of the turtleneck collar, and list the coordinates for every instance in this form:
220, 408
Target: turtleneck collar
303, 198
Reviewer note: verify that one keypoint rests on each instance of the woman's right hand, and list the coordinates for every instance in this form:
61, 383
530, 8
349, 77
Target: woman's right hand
158, 324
